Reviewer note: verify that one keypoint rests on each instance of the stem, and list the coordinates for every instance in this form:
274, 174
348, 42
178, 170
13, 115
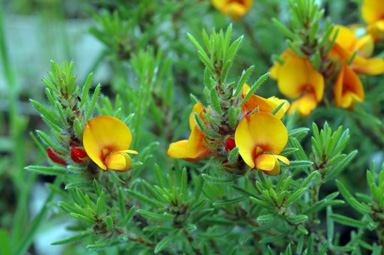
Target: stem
190, 241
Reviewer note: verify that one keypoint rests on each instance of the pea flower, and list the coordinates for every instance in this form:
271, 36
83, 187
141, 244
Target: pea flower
348, 88
347, 43
260, 138
373, 14
106, 140
195, 148
298, 79
234, 8
53, 155
263, 104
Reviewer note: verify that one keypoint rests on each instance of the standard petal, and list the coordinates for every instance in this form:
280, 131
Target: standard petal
275, 69
372, 10
118, 161
245, 142
297, 76
105, 133
267, 132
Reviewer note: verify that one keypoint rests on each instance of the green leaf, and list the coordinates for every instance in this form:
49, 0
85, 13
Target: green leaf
348, 221
298, 164
294, 196
243, 79
48, 170
216, 180
5, 247
229, 201
73, 238
150, 214
340, 167
254, 87
266, 218
297, 219
201, 214
165, 241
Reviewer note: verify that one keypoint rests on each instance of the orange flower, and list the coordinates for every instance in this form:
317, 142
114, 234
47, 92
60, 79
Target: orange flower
298, 79
235, 8
263, 104
260, 138
348, 88
106, 140
195, 148
373, 14
347, 43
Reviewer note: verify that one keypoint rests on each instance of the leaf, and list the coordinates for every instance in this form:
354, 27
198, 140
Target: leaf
295, 196
297, 219
266, 218
216, 180
150, 214
348, 221
340, 167
165, 241
73, 238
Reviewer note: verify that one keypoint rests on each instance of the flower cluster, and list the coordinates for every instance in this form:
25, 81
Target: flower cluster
260, 137
315, 70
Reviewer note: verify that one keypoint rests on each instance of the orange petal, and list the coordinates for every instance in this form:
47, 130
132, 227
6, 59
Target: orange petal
298, 76
348, 88
235, 8
118, 161
304, 105
372, 10
105, 133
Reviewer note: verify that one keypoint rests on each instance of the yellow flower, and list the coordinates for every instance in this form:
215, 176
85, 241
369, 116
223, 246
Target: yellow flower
106, 140
261, 137
234, 8
373, 14
348, 88
195, 148
347, 43
275, 69
298, 79
263, 104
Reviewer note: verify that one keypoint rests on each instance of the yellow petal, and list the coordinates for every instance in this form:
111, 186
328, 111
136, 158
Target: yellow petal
282, 159
304, 105
235, 8
118, 161
345, 37
260, 130
105, 134
376, 30
265, 162
275, 69
371, 66
365, 46
244, 140
297, 76
276, 167
283, 109
198, 108
177, 149
196, 147
372, 10
347, 88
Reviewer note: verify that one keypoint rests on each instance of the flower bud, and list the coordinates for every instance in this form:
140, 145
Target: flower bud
52, 154
230, 143
78, 154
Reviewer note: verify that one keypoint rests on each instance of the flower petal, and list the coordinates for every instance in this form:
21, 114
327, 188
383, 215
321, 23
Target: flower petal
372, 10
371, 66
245, 141
282, 159
177, 149
297, 76
118, 161
304, 105
265, 162
105, 133
198, 108
345, 37
376, 30
347, 88
275, 69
